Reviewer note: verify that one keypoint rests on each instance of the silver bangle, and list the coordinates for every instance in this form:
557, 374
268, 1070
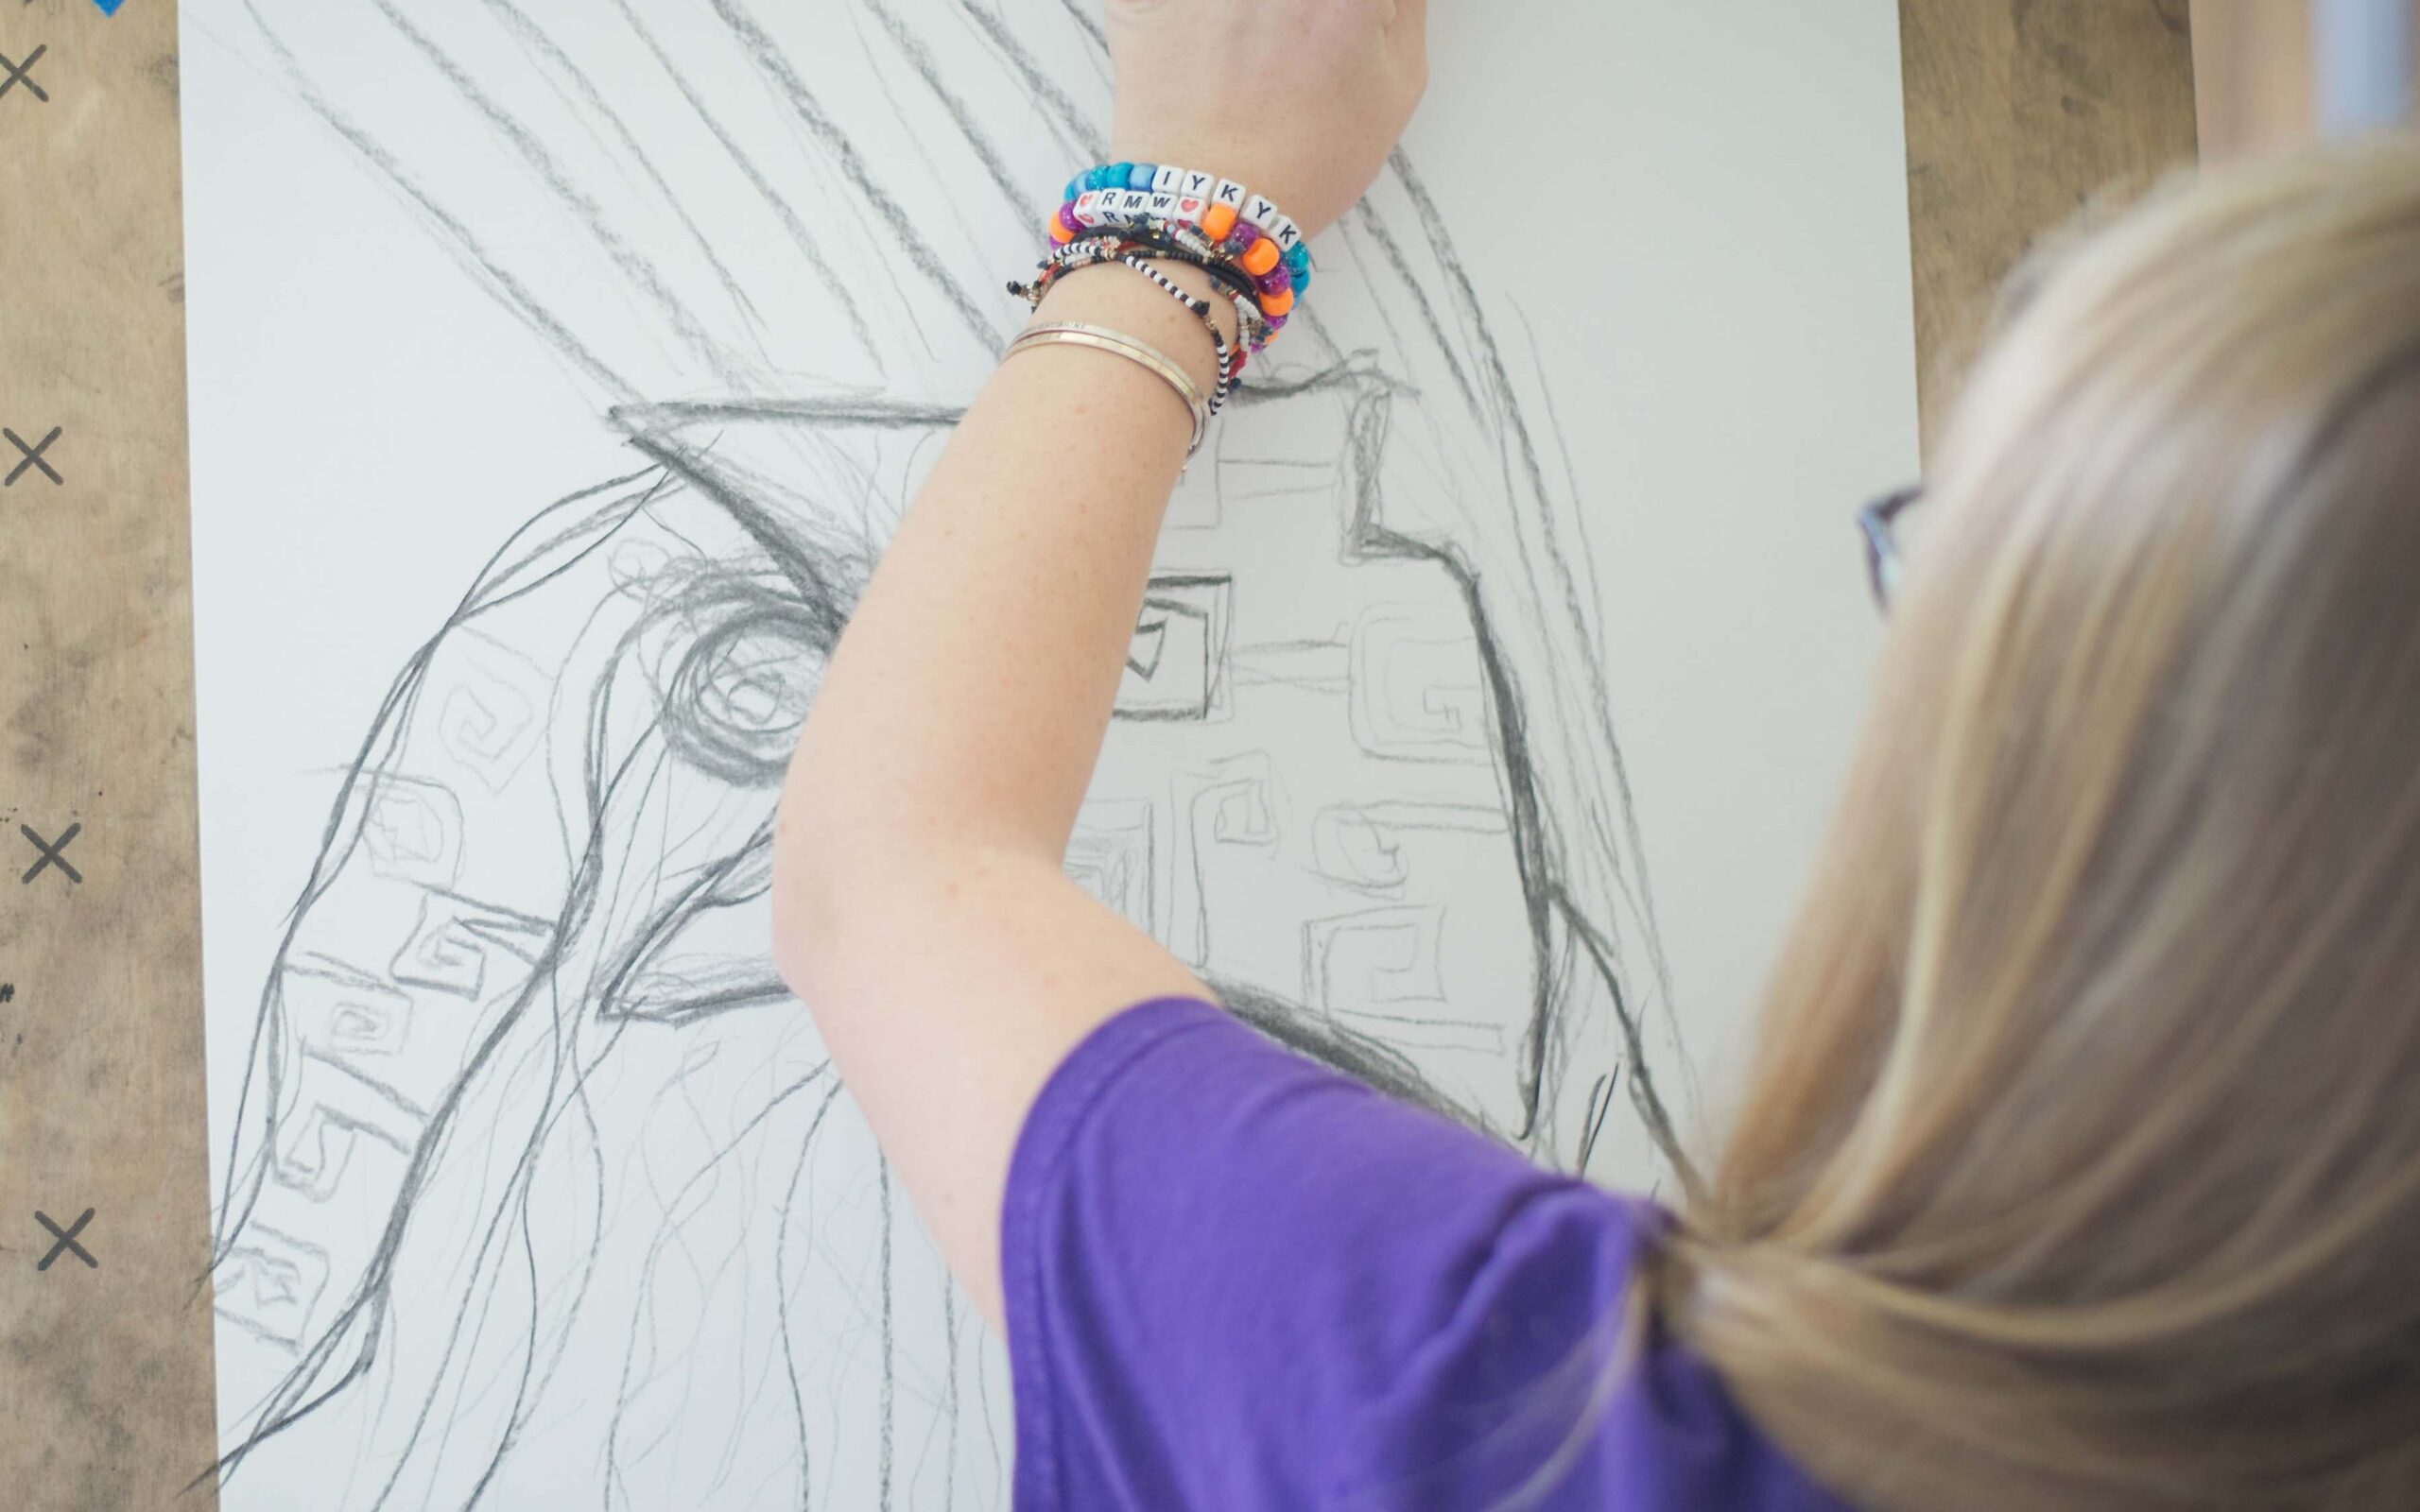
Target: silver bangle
1102, 339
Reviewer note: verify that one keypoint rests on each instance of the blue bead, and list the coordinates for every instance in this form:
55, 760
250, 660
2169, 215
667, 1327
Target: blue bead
1302, 277
1076, 186
1142, 176
1298, 257
1097, 178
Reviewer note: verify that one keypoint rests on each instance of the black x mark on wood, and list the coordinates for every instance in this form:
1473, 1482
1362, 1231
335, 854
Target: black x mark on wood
23, 73
33, 457
50, 853
66, 1238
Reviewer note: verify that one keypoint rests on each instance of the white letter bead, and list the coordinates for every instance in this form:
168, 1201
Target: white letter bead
1285, 234
1261, 213
1198, 184
1228, 192
1164, 206
1088, 208
1166, 180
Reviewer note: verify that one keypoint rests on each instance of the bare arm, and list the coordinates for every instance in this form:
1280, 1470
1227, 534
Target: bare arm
921, 908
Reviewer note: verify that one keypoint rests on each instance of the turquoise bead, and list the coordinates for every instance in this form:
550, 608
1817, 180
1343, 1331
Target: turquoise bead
1142, 176
1097, 177
1302, 277
1075, 186
1298, 257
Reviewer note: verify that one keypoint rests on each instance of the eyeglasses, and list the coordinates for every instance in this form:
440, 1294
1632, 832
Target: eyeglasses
1877, 527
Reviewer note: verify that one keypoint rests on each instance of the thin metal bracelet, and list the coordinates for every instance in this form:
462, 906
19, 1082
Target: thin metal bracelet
1179, 244
1078, 256
1102, 339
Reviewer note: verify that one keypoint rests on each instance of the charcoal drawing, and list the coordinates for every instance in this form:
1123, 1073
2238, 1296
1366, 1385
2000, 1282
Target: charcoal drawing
542, 1191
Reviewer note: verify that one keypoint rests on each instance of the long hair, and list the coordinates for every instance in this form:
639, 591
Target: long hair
2081, 1167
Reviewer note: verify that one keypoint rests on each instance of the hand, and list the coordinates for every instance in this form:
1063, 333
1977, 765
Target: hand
1299, 100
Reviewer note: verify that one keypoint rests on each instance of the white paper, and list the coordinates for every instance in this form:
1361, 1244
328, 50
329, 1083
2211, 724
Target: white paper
1504, 658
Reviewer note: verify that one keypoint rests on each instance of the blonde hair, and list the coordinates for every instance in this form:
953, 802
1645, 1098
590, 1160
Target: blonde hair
2081, 1165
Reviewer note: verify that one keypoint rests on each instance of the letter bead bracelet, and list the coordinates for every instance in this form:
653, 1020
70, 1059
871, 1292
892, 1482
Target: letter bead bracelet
1245, 231
1135, 214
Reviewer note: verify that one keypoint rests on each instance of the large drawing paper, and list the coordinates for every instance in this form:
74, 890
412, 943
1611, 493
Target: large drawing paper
559, 368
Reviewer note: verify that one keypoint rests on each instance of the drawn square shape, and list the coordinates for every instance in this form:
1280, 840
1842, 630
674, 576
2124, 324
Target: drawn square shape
1418, 690
1176, 663
269, 1284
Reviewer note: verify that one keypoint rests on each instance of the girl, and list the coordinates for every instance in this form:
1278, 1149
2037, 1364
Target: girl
2079, 1169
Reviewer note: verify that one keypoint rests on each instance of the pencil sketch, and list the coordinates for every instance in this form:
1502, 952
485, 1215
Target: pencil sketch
542, 1192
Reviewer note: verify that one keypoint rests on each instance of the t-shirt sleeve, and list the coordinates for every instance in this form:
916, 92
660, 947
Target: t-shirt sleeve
1237, 1279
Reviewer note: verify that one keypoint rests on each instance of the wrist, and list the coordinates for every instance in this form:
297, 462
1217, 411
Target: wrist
1134, 305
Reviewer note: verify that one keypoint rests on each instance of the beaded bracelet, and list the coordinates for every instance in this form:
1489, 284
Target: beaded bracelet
1252, 326
1077, 255
1243, 228
1181, 245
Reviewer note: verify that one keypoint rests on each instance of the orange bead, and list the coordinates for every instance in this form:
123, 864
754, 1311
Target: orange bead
1059, 235
1218, 220
1277, 304
1261, 257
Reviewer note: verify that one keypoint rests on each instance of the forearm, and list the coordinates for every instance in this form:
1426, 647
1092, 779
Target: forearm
928, 808
967, 702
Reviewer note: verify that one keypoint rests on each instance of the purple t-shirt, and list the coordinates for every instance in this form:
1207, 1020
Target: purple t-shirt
1236, 1281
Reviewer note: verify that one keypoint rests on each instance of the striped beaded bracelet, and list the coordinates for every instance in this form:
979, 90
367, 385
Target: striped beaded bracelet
1096, 252
1242, 229
1252, 328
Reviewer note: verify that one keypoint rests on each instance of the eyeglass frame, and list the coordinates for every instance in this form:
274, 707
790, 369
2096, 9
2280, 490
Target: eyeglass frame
1876, 526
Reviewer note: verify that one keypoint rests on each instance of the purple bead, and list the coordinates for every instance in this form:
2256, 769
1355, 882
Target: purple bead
1243, 236
1278, 279
1067, 218
1277, 323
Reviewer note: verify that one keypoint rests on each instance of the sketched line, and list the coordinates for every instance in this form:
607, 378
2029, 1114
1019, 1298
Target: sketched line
541, 162
535, 38
828, 280
516, 294
769, 59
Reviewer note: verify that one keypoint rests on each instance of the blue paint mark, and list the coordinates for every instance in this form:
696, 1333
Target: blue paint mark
108, 7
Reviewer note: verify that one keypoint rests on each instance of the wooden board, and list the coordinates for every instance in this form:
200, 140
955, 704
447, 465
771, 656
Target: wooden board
105, 1380
2016, 110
